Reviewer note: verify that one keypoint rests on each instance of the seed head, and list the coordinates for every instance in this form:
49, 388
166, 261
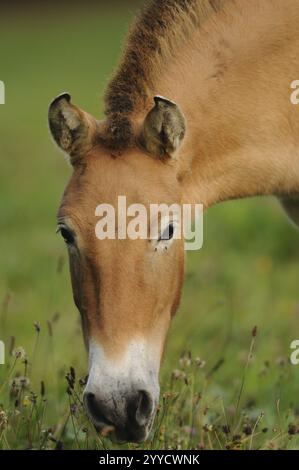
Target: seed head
19, 353
3, 420
292, 429
247, 430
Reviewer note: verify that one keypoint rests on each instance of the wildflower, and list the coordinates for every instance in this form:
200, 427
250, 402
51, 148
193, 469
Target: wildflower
185, 360
226, 429
20, 382
208, 428
26, 401
177, 374
71, 378
247, 430
167, 396
19, 353
200, 363
3, 420
33, 397
24, 382
73, 373
292, 429
83, 381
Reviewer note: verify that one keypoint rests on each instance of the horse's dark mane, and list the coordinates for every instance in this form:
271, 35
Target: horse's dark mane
160, 26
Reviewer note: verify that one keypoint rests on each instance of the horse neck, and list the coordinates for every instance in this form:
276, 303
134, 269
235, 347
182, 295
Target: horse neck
243, 131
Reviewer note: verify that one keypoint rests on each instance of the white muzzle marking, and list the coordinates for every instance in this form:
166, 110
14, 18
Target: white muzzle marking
114, 381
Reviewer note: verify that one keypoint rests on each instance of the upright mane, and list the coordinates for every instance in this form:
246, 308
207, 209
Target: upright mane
160, 29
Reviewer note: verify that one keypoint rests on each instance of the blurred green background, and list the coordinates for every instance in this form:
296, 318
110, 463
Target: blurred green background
245, 275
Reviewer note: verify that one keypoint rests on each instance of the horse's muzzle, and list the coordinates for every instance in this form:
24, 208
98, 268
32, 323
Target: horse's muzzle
128, 417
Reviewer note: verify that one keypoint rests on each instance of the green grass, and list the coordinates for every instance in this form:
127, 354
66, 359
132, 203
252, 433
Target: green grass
246, 275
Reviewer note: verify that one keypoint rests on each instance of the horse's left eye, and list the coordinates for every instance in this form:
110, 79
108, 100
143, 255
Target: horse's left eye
67, 235
168, 233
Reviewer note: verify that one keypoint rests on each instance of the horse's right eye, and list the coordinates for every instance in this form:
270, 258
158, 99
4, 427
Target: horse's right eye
168, 233
67, 235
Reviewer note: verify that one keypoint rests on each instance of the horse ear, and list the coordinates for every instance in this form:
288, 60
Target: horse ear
72, 129
164, 128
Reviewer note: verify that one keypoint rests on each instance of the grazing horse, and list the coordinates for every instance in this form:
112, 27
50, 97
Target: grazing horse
199, 110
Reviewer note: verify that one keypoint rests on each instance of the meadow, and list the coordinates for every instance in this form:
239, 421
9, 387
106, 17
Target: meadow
227, 382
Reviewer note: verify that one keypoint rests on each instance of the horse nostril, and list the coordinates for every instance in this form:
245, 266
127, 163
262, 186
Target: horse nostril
144, 408
96, 410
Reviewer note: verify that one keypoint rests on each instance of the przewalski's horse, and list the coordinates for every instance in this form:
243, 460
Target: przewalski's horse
226, 129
